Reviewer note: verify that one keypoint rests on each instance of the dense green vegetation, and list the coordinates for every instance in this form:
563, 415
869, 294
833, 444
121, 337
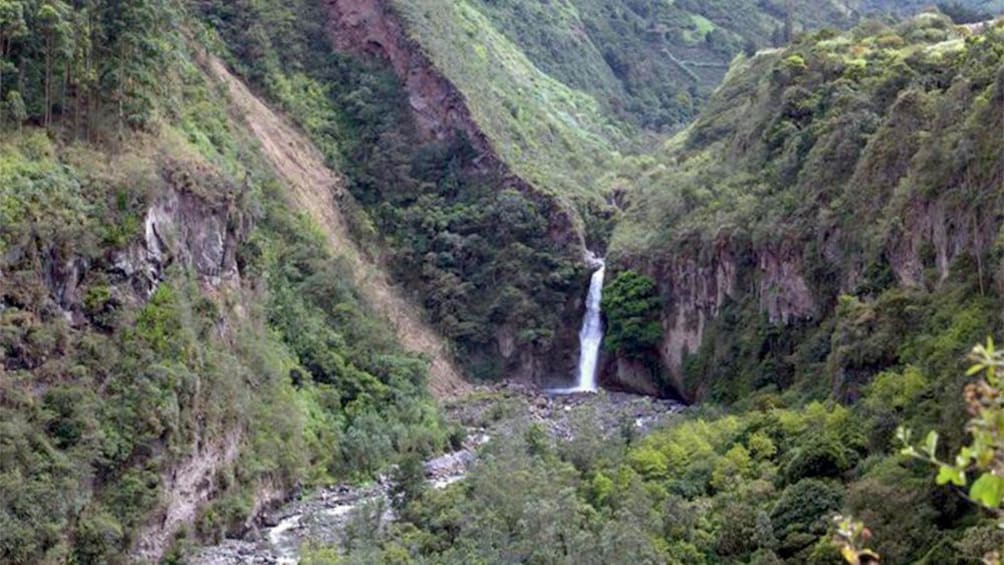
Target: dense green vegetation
561, 89
632, 306
847, 155
651, 64
105, 391
475, 252
759, 486
92, 64
867, 165
847, 135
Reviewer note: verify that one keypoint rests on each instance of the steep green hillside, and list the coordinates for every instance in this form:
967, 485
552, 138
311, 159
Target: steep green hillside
496, 272
817, 252
196, 315
176, 344
960, 9
561, 88
553, 135
653, 63
542, 114
835, 211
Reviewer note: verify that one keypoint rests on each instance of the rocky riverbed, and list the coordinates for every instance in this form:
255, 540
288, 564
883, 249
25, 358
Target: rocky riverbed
559, 413
322, 517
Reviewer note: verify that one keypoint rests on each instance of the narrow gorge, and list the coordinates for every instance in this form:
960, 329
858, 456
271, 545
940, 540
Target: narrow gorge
412, 282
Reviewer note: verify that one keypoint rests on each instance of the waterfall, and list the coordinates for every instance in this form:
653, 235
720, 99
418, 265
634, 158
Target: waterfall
591, 334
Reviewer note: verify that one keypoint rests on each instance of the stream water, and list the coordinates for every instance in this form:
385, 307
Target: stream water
323, 516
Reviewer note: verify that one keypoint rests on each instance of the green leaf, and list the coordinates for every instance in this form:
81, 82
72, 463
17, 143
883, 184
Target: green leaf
948, 474
931, 443
988, 490
903, 435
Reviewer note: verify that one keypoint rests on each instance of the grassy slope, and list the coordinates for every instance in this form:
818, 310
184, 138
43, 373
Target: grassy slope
561, 89
554, 136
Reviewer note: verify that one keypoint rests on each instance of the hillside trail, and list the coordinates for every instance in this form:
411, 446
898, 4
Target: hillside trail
313, 189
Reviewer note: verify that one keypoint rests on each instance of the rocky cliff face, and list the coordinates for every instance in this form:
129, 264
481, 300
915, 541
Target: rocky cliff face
372, 29
854, 183
180, 228
698, 281
935, 229
696, 285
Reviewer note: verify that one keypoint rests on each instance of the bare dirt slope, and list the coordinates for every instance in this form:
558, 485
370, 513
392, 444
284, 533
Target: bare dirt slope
314, 189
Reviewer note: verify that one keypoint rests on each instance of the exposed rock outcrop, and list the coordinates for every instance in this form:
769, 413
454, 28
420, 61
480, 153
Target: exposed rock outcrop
697, 281
199, 233
187, 487
64, 278
371, 28
630, 375
781, 287
931, 229
697, 284
182, 228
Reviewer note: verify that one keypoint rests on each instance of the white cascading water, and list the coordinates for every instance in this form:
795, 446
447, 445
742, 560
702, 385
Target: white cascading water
591, 334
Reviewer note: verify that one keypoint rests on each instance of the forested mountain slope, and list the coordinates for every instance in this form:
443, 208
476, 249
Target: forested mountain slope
178, 344
319, 192
243, 243
810, 260
649, 63
836, 207
467, 94
561, 89
495, 261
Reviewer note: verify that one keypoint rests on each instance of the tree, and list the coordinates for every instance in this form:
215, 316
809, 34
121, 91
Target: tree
136, 34
84, 78
53, 18
789, 21
962, 14
407, 482
12, 26
15, 108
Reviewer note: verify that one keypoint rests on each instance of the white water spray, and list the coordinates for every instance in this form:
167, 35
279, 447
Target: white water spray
591, 334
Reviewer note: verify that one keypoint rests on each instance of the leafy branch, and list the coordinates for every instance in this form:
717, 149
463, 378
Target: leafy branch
983, 458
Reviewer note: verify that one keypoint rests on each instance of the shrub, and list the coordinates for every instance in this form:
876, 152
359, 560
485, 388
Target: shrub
98, 537
817, 455
801, 514
631, 305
